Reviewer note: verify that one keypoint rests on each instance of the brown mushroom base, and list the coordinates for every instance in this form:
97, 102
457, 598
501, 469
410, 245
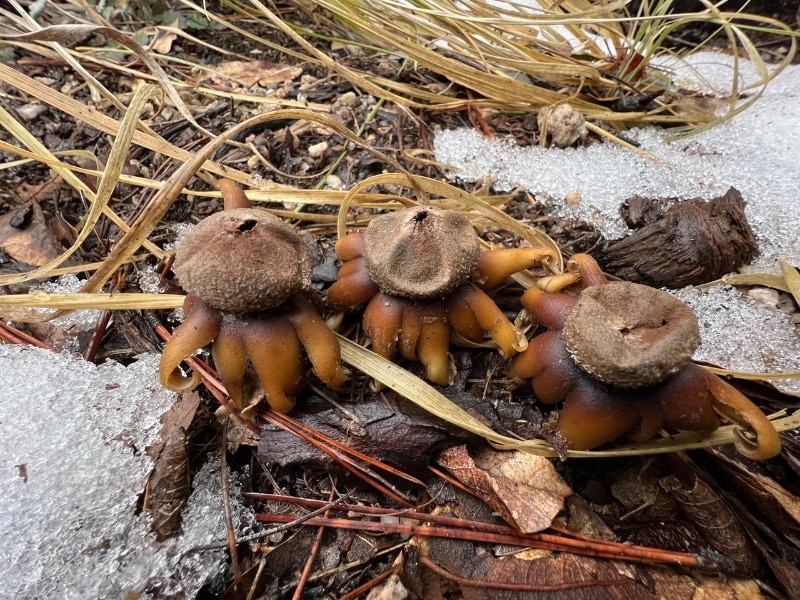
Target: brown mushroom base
421, 330
595, 413
273, 340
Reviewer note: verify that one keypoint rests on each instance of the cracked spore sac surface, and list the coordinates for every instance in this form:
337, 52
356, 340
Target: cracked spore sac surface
421, 252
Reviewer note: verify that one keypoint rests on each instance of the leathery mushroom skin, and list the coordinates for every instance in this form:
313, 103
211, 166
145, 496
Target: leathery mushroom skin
247, 274
618, 356
422, 275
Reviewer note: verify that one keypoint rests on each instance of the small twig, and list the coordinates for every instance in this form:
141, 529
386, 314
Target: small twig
327, 397
15, 336
312, 555
544, 541
273, 530
100, 329
369, 584
262, 563
363, 472
353, 452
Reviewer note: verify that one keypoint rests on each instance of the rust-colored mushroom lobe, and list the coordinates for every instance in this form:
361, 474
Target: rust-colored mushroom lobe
243, 260
629, 335
420, 252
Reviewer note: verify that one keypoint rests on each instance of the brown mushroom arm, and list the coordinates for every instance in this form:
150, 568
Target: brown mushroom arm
276, 353
433, 347
549, 310
410, 329
592, 417
508, 338
756, 437
201, 326
230, 360
382, 320
651, 419
350, 246
687, 401
320, 344
463, 320
353, 287
548, 366
495, 266
591, 273
232, 195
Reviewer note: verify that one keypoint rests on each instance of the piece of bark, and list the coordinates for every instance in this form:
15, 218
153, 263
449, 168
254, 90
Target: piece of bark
693, 243
389, 429
637, 212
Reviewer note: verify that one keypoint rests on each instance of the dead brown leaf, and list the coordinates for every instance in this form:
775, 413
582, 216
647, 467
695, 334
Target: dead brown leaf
163, 40
26, 238
168, 485
720, 526
525, 489
248, 73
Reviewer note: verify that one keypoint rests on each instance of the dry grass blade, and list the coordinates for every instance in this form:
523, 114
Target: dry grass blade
109, 125
158, 206
777, 282
98, 206
746, 375
792, 279
78, 300
425, 396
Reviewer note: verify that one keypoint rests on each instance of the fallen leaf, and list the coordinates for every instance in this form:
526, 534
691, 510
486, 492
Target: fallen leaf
525, 489
248, 73
168, 485
163, 40
26, 238
702, 506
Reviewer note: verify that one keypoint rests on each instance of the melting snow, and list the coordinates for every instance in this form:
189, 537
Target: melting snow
73, 462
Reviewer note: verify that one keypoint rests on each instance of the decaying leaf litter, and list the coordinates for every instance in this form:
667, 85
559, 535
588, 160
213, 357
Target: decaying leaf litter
296, 156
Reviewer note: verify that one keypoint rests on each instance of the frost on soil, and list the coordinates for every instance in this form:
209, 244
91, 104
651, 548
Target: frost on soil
755, 152
72, 449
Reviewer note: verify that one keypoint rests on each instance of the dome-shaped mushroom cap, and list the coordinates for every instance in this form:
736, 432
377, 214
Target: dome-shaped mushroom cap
243, 260
420, 252
629, 335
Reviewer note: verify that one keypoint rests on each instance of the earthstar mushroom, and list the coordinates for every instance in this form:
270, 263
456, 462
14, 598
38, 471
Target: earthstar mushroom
247, 274
619, 356
422, 273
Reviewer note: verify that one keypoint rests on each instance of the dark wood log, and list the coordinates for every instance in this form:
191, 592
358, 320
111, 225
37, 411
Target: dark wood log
692, 243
